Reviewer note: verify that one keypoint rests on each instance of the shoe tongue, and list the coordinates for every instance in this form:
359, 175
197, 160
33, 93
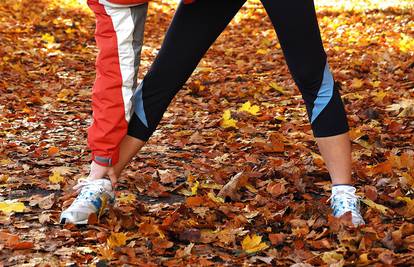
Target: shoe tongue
343, 188
105, 183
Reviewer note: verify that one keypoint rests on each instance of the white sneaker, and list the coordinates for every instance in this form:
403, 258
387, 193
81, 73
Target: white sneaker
344, 199
93, 198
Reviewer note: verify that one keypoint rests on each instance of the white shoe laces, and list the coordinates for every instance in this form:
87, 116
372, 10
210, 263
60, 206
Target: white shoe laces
343, 201
89, 189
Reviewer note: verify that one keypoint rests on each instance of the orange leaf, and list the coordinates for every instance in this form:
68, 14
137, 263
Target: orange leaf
52, 151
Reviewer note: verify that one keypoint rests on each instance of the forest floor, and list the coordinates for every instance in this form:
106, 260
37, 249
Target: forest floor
239, 113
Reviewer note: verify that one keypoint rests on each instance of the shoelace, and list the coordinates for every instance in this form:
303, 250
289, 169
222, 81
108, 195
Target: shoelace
88, 189
347, 198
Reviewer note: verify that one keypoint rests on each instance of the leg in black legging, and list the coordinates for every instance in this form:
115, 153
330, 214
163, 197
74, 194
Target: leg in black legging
193, 30
298, 33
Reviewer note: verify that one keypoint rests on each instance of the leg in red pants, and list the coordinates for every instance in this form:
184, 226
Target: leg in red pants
119, 37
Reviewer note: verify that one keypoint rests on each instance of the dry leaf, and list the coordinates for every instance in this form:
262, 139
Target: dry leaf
252, 244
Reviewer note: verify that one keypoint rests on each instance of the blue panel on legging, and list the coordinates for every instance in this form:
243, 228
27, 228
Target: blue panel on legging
324, 94
139, 105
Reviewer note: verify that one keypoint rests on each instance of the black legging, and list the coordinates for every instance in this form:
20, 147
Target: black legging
194, 29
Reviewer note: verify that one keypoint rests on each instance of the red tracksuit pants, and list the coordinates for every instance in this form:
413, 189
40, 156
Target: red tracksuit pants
119, 38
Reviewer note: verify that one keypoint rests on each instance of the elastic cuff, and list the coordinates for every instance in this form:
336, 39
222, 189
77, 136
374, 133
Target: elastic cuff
107, 160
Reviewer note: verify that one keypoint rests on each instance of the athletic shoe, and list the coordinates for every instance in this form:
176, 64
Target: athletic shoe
344, 199
93, 198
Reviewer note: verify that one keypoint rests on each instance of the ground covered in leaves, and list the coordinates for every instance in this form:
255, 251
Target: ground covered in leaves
238, 124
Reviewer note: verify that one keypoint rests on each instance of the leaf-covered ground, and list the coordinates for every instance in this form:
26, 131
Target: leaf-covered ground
239, 121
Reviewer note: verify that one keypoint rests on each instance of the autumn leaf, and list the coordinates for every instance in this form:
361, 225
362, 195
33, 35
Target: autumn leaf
227, 121
194, 188
409, 208
48, 38
277, 87
247, 107
216, 199
405, 108
126, 198
230, 189
106, 252
277, 239
379, 207
332, 257
52, 151
9, 206
406, 43
56, 177
116, 240
252, 244
65, 94
357, 83
13, 241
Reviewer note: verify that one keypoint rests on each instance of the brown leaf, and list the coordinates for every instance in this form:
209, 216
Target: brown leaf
276, 188
371, 192
231, 188
277, 239
191, 235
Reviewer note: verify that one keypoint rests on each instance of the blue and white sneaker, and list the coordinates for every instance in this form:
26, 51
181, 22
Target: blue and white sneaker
344, 199
94, 196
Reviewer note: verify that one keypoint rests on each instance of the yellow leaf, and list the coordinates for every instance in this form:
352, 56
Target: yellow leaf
372, 204
214, 198
379, 96
406, 43
106, 252
363, 259
56, 177
357, 83
277, 87
251, 188
117, 240
262, 51
194, 188
10, 206
249, 108
333, 257
375, 84
126, 198
251, 244
50, 39
64, 94
5, 161
227, 121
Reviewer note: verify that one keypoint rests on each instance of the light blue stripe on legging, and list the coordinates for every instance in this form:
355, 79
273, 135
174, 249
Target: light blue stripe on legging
324, 94
139, 105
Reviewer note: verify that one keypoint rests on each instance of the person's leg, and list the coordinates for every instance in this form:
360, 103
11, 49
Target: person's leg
119, 36
298, 32
193, 30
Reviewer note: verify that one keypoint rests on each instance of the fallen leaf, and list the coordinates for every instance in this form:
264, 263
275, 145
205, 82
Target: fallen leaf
116, 240
379, 207
227, 121
231, 188
56, 177
249, 108
332, 257
52, 151
252, 244
9, 206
